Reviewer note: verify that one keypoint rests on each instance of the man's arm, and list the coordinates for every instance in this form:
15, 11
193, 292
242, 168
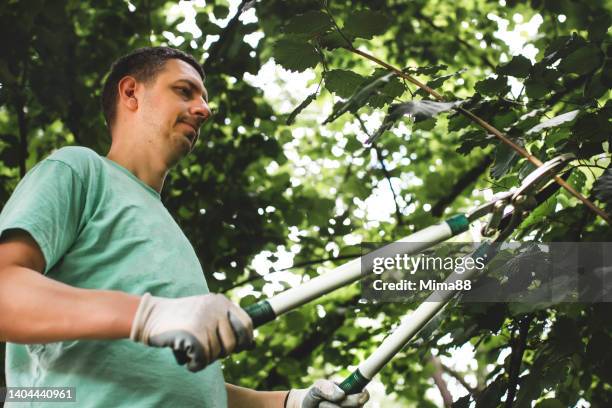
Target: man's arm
37, 309
238, 397
323, 393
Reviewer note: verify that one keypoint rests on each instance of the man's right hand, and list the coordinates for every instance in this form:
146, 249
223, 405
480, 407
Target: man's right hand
198, 329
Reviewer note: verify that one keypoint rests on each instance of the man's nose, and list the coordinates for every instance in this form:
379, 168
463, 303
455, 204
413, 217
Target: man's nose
202, 110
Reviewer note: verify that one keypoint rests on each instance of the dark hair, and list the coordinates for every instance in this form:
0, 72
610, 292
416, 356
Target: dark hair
143, 64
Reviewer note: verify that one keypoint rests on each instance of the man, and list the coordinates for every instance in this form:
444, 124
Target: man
89, 257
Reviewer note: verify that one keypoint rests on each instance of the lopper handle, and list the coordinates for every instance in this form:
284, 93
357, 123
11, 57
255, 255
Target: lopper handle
260, 313
354, 383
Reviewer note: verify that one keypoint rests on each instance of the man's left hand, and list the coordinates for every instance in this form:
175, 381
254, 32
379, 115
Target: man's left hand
325, 394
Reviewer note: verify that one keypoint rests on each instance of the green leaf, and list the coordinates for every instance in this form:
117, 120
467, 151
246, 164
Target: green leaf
311, 22
420, 110
599, 27
595, 87
582, 61
474, 139
332, 40
393, 89
210, 29
295, 55
556, 121
343, 82
540, 213
535, 88
248, 300
220, 11
493, 86
300, 108
505, 158
463, 402
425, 124
431, 70
606, 71
598, 346
561, 47
518, 67
360, 97
366, 24
592, 127
437, 82
295, 321
458, 121
10, 154
603, 187
490, 396
550, 403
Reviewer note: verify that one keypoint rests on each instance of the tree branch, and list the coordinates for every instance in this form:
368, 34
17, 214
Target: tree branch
20, 104
518, 348
23, 136
447, 398
225, 35
460, 379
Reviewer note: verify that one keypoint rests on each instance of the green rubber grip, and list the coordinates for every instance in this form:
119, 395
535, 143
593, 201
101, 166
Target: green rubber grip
260, 313
458, 224
354, 383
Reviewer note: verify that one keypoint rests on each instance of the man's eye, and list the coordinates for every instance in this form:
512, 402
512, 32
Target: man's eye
185, 92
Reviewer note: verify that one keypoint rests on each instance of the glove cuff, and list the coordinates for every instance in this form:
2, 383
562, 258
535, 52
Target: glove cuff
137, 333
295, 397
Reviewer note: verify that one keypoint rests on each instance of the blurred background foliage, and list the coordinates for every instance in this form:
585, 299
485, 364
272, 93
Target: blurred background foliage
267, 183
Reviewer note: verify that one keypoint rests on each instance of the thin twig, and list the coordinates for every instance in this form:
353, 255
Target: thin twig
253, 278
461, 380
386, 172
331, 16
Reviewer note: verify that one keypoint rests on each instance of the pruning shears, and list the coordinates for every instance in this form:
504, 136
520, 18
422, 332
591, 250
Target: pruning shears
515, 202
507, 210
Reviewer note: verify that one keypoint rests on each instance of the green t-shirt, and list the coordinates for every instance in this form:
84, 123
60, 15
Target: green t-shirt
100, 227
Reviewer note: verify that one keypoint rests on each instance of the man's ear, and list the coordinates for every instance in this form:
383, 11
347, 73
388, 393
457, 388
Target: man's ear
127, 93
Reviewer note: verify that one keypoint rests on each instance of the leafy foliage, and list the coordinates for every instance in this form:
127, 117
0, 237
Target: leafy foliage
262, 182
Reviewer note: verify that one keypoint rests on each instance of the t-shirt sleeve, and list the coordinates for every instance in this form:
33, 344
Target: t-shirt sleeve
48, 204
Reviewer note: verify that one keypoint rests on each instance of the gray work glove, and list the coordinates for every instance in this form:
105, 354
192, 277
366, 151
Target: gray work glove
325, 394
198, 329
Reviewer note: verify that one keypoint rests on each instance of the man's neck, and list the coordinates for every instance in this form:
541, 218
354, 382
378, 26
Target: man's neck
142, 163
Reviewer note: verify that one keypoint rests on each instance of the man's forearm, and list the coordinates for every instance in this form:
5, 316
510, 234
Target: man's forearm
37, 309
238, 397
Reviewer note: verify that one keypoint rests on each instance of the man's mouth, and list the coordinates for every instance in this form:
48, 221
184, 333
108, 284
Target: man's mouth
193, 134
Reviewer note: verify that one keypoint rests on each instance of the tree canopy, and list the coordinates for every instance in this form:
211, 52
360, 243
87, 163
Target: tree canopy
296, 172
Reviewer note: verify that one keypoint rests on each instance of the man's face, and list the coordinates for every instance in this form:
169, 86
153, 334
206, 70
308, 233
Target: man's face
174, 105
